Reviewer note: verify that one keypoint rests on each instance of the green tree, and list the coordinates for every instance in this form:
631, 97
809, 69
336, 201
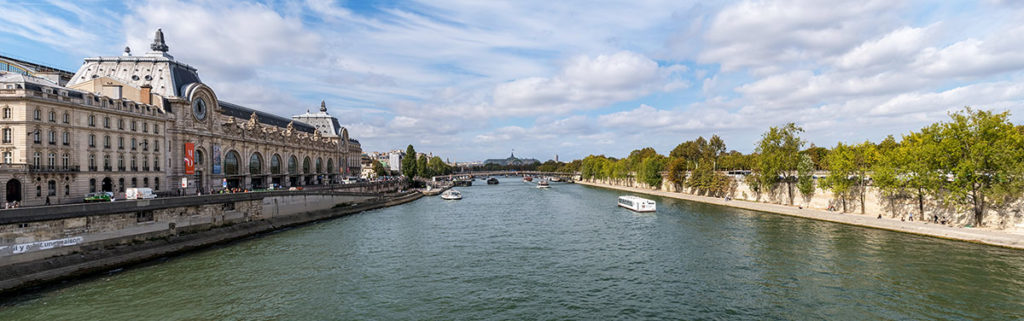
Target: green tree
778, 156
379, 169
409, 162
805, 176
983, 154
421, 167
840, 172
889, 173
848, 171
649, 171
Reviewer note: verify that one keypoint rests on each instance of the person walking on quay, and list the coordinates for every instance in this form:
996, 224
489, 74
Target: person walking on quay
47, 200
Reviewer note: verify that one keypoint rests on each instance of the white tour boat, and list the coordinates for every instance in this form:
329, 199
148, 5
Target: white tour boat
637, 204
451, 195
543, 184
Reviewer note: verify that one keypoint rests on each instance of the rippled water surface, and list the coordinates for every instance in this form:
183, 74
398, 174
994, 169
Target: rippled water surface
511, 251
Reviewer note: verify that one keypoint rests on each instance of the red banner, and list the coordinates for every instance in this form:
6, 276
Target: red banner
190, 159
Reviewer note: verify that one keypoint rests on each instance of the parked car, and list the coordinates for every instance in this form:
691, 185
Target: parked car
99, 197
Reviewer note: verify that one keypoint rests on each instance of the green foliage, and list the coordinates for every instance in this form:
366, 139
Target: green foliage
805, 176
649, 171
983, 155
409, 162
380, 170
778, 156
818, 156
421, 167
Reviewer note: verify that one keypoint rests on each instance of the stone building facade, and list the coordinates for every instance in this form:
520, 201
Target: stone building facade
149, 121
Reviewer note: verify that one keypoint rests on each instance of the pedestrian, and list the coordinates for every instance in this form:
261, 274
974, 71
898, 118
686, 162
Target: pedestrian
879, 216
911, 217
47, 200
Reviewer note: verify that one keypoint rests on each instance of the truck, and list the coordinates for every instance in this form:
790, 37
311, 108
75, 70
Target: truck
135, 193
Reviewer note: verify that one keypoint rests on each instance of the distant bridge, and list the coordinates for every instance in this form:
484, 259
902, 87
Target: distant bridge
466, 175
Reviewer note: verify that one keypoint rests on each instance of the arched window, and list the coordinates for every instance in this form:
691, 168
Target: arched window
7, 113
92, 140
135, 182
319, 165
231, 163
53, 116
275, 164
67, 138
106, 141
36, 137
67, 189
53, 137
67, 118
8, 137
106, 122
156, 183
292, 165
255, 164
145, 182
92, 185
92, 120
120, 183
305, 165
35, 114
51, 188
330, 166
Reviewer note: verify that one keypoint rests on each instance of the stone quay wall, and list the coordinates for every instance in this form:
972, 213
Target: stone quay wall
45, 244
1008, 217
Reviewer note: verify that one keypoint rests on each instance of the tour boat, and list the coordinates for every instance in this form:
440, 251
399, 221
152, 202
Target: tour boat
543, 184
637, 204
527, 179
451, 195
492, 181
555, 179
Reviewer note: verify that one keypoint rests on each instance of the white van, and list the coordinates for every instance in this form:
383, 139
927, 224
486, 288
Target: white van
139, 193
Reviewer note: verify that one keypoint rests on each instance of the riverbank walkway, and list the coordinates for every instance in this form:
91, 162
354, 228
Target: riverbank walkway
1001, 238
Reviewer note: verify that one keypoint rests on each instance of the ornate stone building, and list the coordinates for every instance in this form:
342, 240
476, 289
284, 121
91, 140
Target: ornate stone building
149, 121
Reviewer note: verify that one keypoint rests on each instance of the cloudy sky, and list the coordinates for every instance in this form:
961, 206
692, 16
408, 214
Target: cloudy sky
476, 79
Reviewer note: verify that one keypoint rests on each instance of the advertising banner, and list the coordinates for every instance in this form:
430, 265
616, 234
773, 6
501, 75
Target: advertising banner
190, 159
216, 159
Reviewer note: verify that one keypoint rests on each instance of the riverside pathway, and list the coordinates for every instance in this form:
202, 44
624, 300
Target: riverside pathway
1002, 238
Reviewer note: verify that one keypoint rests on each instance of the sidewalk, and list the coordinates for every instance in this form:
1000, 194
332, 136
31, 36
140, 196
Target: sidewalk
1008, 239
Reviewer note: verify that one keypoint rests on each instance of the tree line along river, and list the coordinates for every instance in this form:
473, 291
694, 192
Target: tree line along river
512, 251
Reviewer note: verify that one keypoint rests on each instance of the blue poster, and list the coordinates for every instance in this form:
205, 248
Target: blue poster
216, 159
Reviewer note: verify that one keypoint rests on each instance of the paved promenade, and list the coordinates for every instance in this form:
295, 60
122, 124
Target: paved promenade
1009, 239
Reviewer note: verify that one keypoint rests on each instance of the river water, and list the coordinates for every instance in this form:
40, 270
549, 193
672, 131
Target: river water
511, 251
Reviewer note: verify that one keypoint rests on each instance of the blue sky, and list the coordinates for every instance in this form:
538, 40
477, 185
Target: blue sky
472, 80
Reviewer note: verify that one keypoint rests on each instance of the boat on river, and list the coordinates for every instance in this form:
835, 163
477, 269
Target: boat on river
452, 195
543, 184
492, 181
637, 204
527, 179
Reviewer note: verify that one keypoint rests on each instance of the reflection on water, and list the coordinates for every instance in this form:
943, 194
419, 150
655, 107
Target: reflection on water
511, 251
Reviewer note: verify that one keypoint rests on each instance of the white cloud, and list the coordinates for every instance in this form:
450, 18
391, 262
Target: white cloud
585, 83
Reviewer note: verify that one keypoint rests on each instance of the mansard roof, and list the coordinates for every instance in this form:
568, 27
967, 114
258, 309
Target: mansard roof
244, 113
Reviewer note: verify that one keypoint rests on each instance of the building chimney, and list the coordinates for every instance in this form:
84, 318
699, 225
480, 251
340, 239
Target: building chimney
145, 96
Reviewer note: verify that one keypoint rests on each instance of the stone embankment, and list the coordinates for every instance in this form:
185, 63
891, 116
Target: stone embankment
1003, 238
59, 244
